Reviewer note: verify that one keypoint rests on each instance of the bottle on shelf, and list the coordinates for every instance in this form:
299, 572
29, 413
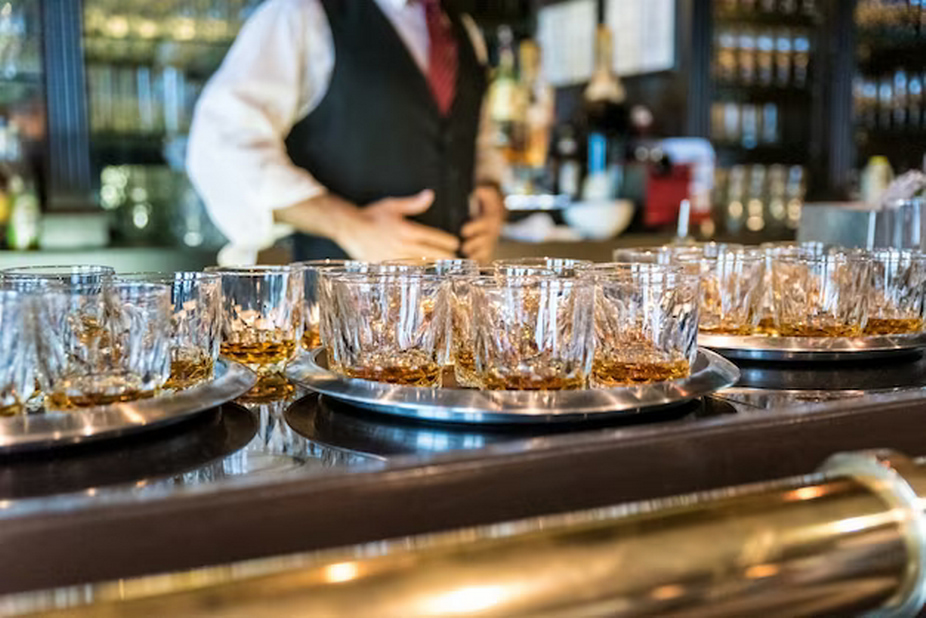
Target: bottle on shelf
598, 185
568, 167
540, 104
504, 95
25, 214
21, 197
604, 100
876, 177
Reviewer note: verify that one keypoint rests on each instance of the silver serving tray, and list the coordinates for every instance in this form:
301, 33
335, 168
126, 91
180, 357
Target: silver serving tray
710, 373
763, 348
52, 429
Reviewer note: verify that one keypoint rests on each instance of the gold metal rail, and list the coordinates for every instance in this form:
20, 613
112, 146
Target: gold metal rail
849, 540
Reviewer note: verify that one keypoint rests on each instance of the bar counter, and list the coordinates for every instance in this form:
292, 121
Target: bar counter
251, 481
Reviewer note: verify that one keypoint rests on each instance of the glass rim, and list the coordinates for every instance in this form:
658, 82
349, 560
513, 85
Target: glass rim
151, 276
425, 262
541, 262
372, 277
891, 254
106, 287
608, 270
325, 263
823, 257
744, 254
254, 271
57, 271
504, 281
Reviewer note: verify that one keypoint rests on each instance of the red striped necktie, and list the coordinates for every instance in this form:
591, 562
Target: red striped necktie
442, 59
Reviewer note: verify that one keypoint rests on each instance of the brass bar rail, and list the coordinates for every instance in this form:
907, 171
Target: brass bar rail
851, 539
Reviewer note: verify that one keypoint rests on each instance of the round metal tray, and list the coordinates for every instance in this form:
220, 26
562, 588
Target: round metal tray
762, 348
710, 373
53, 429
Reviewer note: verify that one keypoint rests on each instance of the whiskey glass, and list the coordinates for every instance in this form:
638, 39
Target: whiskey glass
312, 297
102, 344
646, 324
463, 325
821, 295
388, 327
262, 319
731, 287
320, 271
768, 324
195, 324
533, 333
897, 293
35, 280
17, 351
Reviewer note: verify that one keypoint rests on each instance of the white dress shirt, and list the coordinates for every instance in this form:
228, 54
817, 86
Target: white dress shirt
275, 74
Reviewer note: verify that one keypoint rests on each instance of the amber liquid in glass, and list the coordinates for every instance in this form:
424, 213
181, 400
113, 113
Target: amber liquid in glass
418, 375
269, 388
63, 401
259, 353
736, 331
311, 338
619, 373
767, 327
465, 368
810, 330
893, 326
11, 410
187, 372
530, 382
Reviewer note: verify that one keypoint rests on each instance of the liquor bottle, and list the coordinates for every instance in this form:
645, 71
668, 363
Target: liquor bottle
801, 58
604, 99
783, 58
914, 101
569, 168
22, 231
539, 103
25, 214
503, 97
598, 186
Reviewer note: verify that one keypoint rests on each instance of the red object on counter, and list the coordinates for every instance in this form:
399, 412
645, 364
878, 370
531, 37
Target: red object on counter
664, 192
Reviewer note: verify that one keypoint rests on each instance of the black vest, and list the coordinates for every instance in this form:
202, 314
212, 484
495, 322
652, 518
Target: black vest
378, 132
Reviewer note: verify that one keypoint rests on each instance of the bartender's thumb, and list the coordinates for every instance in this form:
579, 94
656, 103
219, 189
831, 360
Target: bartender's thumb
414, 205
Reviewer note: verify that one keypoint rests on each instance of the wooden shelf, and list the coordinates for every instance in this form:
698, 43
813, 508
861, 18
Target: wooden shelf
127, 149
757, 18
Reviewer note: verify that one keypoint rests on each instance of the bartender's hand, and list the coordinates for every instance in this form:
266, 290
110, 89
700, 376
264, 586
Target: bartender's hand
380, 231
480, 235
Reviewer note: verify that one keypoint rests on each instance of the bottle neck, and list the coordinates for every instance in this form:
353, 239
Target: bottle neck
605, 85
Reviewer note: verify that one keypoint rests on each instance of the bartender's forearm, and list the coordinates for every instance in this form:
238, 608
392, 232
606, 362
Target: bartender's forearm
379, 231
325, 215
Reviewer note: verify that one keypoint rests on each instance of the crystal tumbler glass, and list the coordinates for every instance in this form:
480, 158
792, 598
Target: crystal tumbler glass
533, 333
388, 327
101, 344
262, 319
821, 295
195, 323
17, 351
731, 287
897, 296
646, 324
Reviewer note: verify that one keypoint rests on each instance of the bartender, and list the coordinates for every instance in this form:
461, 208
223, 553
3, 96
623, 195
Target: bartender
358, 124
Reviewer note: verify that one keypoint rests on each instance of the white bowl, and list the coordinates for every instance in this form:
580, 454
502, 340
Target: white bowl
599, 220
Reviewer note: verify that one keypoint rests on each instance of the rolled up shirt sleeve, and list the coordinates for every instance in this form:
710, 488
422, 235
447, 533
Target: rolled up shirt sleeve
277, 70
